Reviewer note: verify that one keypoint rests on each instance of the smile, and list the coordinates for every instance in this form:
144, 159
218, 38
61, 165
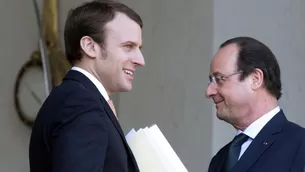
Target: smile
128, 72
217, 104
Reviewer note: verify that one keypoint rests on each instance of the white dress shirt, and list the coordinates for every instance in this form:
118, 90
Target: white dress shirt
96, 82
253, 129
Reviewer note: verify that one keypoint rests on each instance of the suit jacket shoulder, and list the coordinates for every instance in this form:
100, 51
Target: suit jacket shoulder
76, 130
279, 146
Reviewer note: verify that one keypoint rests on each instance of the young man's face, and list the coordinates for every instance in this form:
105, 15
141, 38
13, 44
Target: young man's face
117, 61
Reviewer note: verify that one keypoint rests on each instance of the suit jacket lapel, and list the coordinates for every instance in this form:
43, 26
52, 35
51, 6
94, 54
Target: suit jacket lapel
263, 141
78, 76
253, 153
112, 117
118, 127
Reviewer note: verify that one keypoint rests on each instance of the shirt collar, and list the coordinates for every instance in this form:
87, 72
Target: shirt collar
253, 129
93, 79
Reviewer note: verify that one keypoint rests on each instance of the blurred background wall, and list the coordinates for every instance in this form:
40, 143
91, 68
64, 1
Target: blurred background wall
180, 37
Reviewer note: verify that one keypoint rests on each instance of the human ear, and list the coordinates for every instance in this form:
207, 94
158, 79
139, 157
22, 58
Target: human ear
257, 78
88, 46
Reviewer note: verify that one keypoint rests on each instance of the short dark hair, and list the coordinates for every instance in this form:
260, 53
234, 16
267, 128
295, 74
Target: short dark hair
89, 19
253, 54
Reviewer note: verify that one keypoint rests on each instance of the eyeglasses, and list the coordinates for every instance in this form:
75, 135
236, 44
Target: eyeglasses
220, 79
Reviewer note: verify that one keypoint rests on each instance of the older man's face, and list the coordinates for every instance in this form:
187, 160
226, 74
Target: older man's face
230, 95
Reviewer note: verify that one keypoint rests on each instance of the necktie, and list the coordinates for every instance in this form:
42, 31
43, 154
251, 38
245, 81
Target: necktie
112, 108
234, 151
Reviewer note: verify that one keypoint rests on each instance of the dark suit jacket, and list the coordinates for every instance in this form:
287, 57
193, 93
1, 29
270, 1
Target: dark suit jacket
76, 131
284, 151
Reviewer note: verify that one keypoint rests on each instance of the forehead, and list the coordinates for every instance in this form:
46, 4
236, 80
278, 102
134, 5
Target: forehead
225, 59
123, 29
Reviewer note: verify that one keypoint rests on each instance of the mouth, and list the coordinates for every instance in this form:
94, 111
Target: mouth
129, 72
217, 104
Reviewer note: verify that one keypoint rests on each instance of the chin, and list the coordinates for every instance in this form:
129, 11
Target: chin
223, 118
221, 115
126, 88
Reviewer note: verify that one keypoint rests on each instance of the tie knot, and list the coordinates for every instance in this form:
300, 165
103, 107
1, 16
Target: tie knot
240, 139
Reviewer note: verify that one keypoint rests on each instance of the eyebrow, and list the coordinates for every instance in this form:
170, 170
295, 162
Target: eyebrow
216, 73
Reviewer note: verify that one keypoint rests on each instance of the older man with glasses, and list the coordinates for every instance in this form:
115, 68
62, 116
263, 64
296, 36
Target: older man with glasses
245, 86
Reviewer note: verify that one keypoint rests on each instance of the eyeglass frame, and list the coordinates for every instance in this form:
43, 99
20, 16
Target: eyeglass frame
219, 79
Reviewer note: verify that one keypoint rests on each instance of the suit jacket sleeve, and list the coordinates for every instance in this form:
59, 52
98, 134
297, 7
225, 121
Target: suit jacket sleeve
79, 142
299, 160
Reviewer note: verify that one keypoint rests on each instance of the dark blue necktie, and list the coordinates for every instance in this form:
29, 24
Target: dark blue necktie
234, 151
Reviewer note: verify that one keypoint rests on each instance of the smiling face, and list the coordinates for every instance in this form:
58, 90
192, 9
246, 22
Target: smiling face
231, 96
115, 63
122, 54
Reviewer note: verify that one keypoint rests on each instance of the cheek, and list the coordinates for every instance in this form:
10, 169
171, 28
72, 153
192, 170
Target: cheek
120, 58
234, 96
112, 61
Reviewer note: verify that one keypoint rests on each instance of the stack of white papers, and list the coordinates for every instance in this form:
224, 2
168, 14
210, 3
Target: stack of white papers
153, 152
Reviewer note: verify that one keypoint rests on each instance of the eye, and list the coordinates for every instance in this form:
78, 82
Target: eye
210, 79
219, 79
128, 46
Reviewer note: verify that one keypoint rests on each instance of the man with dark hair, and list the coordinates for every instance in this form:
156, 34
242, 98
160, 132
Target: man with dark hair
245, 85
76, 129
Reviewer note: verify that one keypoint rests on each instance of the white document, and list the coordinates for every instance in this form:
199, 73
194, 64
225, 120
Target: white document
153, 152
130, 134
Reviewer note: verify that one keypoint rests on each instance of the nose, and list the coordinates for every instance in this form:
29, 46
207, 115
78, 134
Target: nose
139, 59
211, 90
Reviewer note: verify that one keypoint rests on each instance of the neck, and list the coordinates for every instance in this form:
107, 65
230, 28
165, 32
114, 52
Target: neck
92, 72
257, 109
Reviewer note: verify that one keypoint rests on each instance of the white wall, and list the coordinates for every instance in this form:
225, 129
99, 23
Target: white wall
169, 91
